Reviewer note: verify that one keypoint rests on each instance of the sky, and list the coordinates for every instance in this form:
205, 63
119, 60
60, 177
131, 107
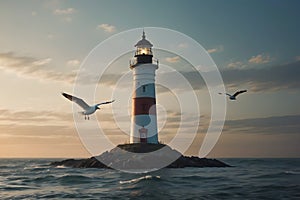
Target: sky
254, 44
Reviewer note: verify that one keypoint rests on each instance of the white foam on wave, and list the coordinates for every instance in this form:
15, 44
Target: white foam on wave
60, 166
292, 172
35, 167
135, 180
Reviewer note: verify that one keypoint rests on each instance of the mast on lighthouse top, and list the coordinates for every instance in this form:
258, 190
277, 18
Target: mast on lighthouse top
143, 46
143, 53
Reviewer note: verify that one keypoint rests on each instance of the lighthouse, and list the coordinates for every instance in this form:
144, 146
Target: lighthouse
143, 115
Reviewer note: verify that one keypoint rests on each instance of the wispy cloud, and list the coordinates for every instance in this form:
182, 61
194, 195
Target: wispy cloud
216, 50
107, 28
260, 59
32, 67
273, 78
42, 62
34, 117
73, 62
174, 59
269, 125
236, 65
67, 11
22, 131
41, 69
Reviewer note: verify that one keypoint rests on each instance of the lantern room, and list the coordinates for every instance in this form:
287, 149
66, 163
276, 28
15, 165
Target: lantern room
143, 52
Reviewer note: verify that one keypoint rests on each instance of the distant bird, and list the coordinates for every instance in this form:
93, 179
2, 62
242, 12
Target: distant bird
88, 110
233, 97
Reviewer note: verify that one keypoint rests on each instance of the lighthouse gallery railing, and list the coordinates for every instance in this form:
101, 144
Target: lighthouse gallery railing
134, 62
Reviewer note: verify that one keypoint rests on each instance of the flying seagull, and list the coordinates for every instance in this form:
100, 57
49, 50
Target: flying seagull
88, 110
233, 97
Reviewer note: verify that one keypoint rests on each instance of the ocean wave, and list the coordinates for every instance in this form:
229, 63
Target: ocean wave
135, 180
41, 179
258, 181
36, 167
16, 187
292, 172
74, 179
277, 175
201, 177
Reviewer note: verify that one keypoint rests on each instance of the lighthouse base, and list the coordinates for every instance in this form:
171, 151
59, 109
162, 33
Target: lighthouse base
141, 147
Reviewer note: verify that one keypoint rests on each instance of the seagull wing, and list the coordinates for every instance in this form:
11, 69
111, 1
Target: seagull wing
239, 92
77, 100
107, 102
228, 94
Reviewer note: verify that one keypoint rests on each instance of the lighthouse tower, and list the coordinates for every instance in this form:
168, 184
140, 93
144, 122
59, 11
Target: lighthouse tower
143, 117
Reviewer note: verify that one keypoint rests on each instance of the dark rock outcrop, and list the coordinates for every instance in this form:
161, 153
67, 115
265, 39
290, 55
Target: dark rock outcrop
141, 156
80, 163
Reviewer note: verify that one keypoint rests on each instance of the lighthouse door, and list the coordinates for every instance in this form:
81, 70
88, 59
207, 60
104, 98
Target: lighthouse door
143, 135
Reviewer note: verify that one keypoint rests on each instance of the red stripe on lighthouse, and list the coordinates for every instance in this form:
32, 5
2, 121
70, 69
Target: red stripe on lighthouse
144, 106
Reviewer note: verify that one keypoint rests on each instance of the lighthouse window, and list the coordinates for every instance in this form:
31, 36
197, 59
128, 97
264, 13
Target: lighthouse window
143, 51
144, 88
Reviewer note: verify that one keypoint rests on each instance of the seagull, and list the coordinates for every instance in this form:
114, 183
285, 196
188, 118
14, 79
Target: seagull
233, 97
88, 110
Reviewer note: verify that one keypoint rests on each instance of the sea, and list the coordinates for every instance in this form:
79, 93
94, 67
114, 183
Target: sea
248, 179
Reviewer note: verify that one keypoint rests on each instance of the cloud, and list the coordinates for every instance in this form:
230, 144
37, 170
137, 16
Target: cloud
42, 62
260, 59
67, 11
43, 117
107, 28
30, 131
215, 50
297, 58
33, 13
33, 68
273, 78
73, 63
174, 59
237, 64
270, 125
38, 118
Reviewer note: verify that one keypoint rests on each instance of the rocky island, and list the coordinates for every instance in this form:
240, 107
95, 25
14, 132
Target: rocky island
141, 156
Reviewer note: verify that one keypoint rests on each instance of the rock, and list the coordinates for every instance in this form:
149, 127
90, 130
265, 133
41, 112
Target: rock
137, 156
